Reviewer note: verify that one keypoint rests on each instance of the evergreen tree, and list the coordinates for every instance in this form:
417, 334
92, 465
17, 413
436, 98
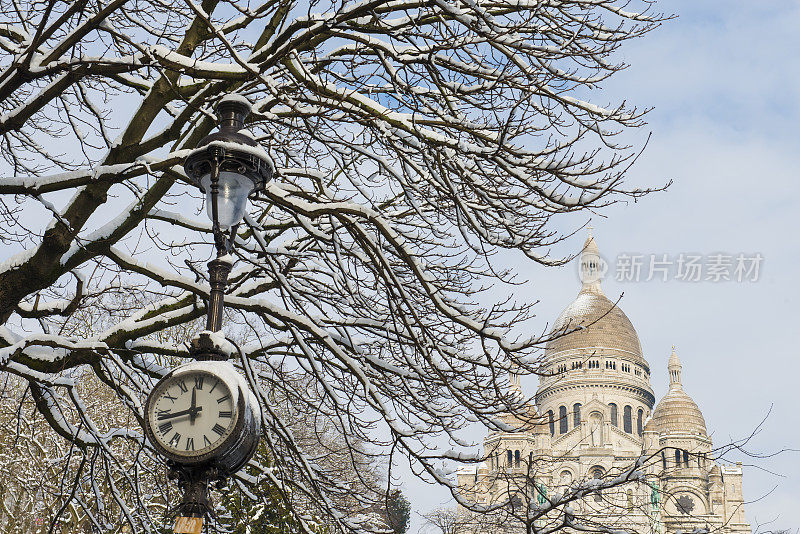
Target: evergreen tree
398, 512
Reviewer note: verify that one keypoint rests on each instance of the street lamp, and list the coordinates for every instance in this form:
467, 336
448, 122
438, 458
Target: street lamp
202, 416
228, 166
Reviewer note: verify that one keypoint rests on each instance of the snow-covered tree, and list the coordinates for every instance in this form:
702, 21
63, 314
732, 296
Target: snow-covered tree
453, 521
413, 140
48, 482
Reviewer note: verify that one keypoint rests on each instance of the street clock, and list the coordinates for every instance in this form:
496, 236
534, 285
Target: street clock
203, 414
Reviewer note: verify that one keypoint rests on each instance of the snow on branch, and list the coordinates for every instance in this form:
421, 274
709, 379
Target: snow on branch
413, 142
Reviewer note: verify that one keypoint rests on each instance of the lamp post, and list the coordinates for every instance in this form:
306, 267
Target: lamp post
201, 416
228, 166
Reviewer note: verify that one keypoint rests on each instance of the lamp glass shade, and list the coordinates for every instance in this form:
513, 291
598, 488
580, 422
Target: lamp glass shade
234, 188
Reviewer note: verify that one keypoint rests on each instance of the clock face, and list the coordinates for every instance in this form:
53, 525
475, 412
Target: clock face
191, 415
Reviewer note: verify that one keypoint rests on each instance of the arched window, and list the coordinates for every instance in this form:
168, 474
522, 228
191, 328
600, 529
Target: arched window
562, 419
552, 422
663, 461
630, 500
613, 414
685, 458
639, 417
516, 458
677, 457
576, 411
491, 461
597, 472
627, 420
510, 458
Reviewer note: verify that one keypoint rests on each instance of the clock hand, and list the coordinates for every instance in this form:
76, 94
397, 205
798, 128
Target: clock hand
190, 411
193, 408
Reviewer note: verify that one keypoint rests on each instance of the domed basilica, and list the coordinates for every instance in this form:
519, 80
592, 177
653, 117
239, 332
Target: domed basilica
597, 420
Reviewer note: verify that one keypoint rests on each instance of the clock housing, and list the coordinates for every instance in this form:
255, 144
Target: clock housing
203, 414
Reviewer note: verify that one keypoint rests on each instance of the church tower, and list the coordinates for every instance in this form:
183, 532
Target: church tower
597, 387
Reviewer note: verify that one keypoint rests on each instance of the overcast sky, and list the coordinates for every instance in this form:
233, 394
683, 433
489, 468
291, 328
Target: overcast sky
724, 79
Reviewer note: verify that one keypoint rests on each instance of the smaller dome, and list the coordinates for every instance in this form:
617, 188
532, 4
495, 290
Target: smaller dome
543, 428
526, 417
676, 412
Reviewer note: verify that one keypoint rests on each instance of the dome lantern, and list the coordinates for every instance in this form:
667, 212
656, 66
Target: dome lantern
674, 368
592, 267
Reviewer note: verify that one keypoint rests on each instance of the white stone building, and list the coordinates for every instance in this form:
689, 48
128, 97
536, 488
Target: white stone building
598, 416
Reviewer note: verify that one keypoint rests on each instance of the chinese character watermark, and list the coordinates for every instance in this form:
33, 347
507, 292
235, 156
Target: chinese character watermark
714, 267
690, 267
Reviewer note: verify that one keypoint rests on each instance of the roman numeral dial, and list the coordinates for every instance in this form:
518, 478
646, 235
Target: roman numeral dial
191, 414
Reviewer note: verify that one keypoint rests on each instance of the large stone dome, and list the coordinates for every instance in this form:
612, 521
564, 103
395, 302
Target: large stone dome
599, 322
676, 412
592, 320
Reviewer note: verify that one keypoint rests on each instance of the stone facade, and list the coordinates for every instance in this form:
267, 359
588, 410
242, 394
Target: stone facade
596, 416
